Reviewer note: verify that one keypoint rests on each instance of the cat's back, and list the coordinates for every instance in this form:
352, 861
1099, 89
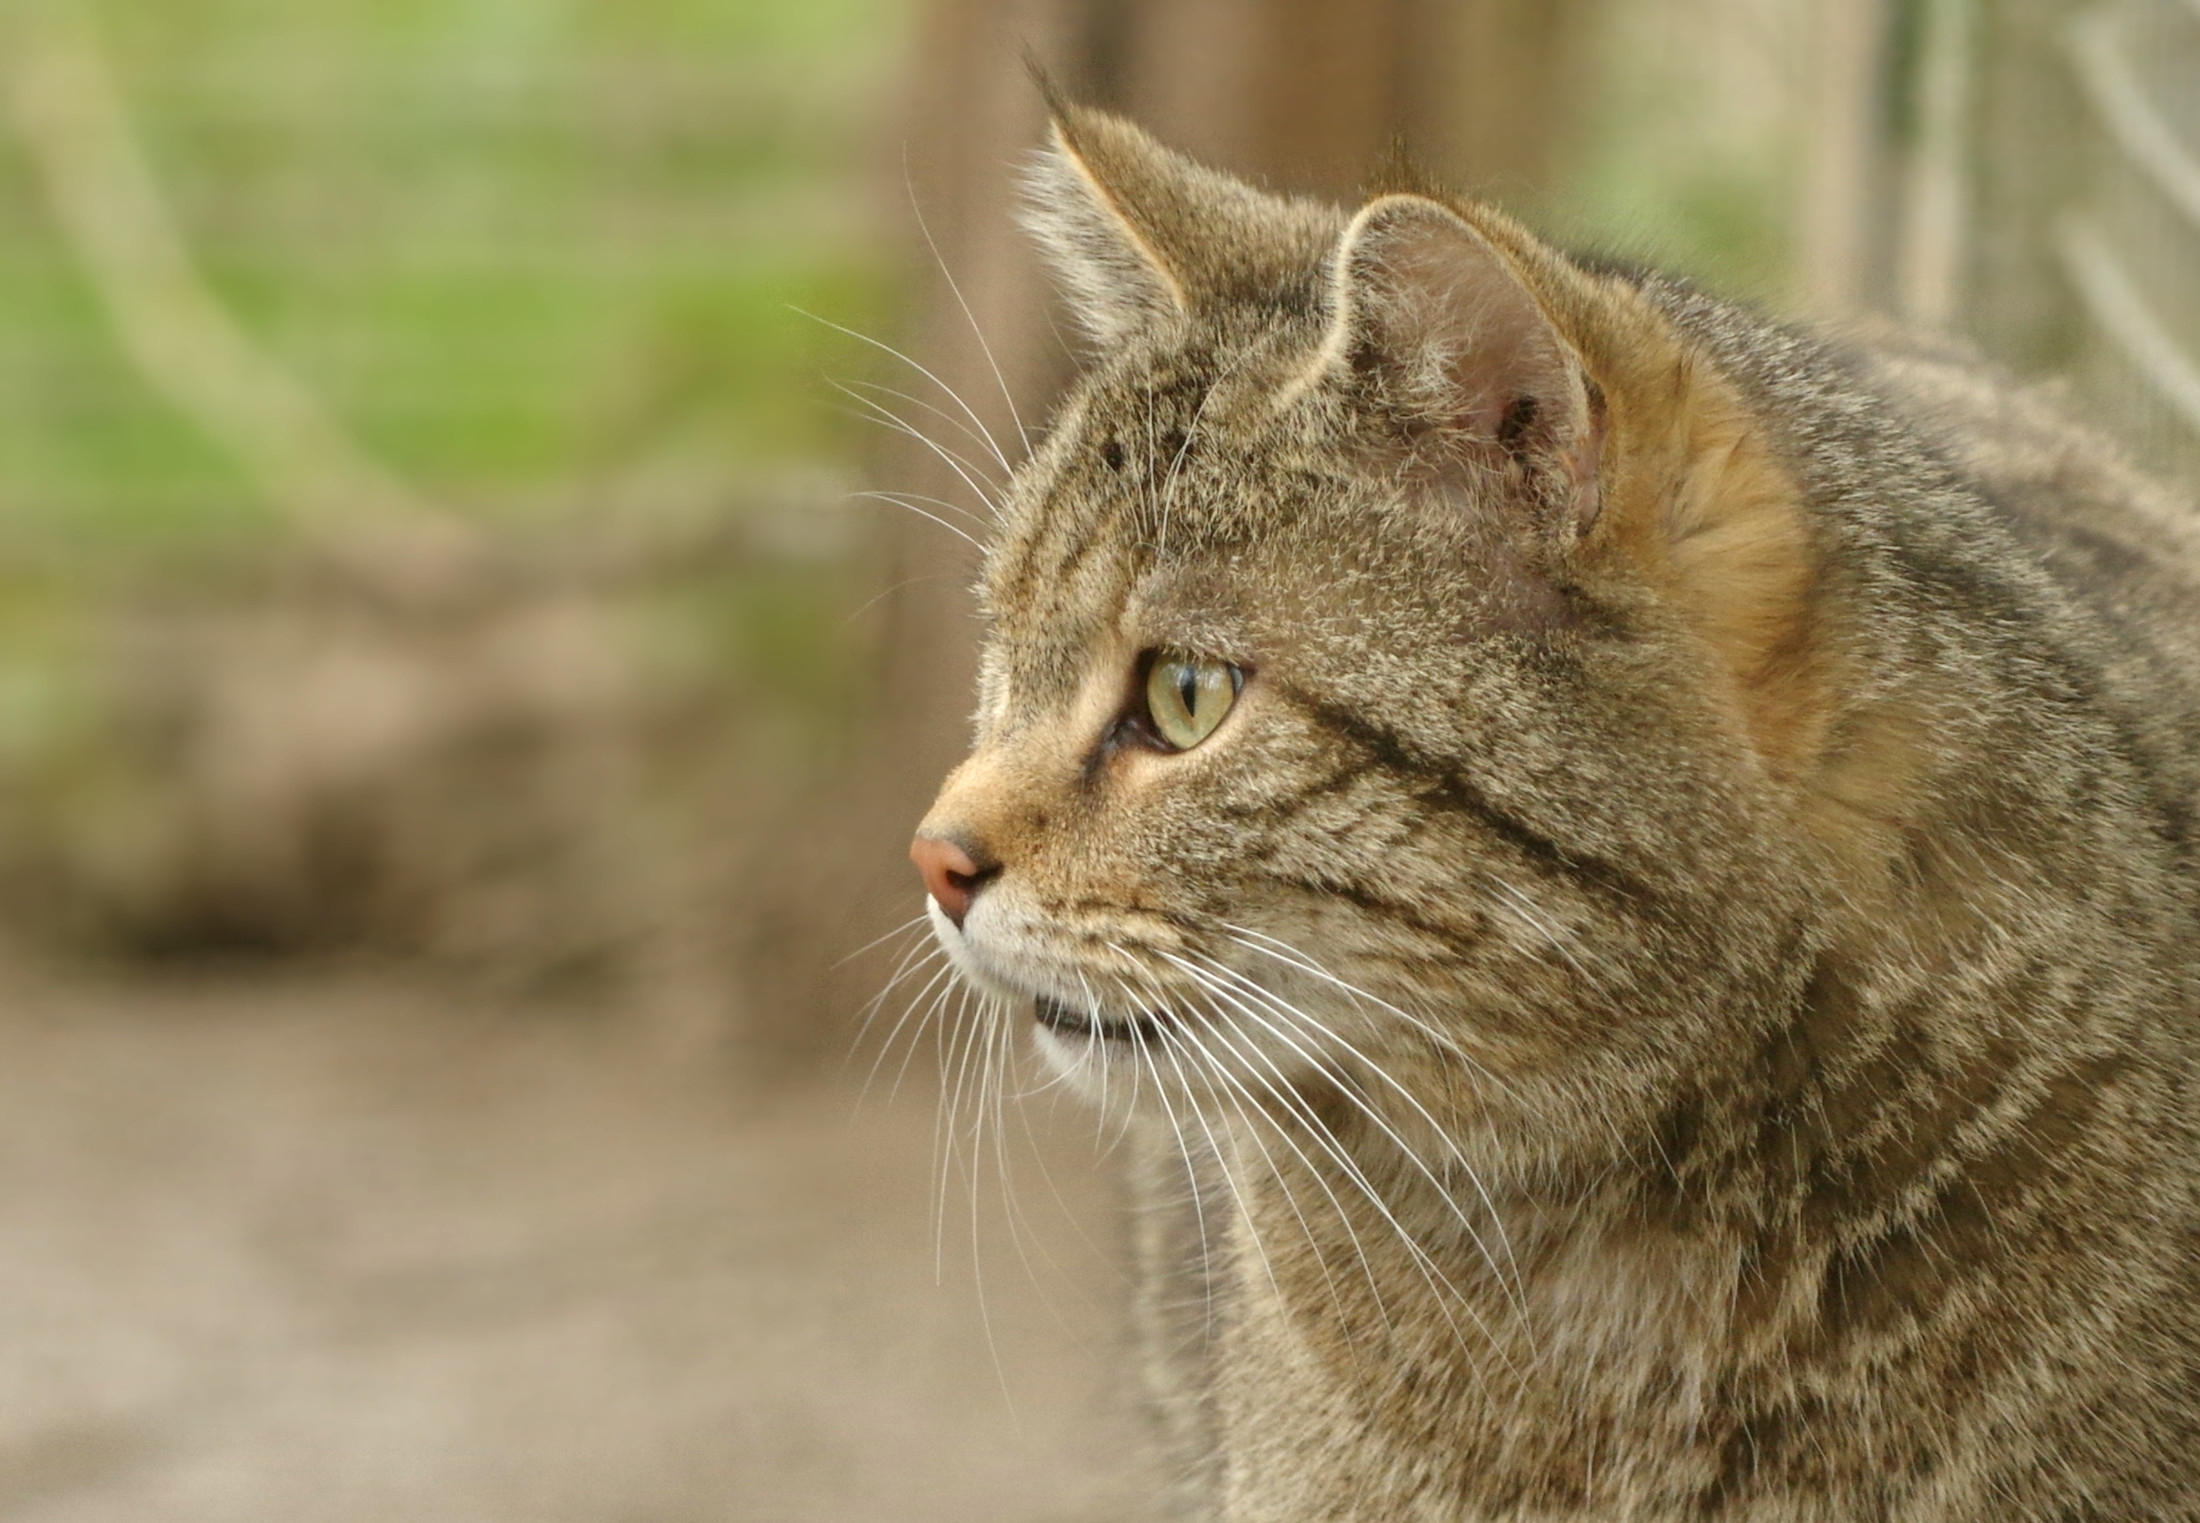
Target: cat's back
2123, 546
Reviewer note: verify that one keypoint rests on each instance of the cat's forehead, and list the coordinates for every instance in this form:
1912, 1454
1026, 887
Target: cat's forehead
1150, 406
1174, 442
1162, 510
1158, 465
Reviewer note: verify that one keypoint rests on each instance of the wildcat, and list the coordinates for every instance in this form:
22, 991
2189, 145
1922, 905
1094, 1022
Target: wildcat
1629, 868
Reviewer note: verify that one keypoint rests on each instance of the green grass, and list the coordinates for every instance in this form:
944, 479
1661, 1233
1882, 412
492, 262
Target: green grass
528, 253
509, 243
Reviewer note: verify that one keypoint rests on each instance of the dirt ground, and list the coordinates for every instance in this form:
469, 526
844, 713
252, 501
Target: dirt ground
341, 1249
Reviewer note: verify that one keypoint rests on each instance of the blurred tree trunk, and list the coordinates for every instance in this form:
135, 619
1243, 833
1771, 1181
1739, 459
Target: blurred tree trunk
1304, 95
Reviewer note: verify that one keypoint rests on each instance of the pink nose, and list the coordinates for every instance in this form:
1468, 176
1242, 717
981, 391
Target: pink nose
951, 875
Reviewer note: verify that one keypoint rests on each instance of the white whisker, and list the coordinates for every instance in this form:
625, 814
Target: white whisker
1524, 907
976, 331
1353, 1171
977, 1241
1430, 1272
959, 1058
886, 348
1290, 956
918, 919
1183, 1147
969, 472
983, 440
1507, 1274
1244, 1103
944, 979
904, 499
960, 533
1446, 1293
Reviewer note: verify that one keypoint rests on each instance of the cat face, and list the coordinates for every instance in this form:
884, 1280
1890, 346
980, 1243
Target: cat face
1356, 698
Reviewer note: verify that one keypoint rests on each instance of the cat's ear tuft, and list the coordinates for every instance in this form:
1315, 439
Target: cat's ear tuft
1092, 199
1435, 322
1142, 236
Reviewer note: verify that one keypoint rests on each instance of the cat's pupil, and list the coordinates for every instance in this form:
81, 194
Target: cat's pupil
1187, 688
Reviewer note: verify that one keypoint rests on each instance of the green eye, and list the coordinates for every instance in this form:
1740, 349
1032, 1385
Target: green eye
1187, 697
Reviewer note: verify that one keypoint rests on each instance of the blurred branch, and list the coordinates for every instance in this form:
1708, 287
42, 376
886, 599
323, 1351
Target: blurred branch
183, 340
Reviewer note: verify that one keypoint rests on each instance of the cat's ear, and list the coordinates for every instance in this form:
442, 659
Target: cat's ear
1435, 322
1097, 193
1141, 236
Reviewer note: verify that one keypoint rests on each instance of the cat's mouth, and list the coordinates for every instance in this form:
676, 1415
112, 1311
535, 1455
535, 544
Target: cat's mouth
1069, 1021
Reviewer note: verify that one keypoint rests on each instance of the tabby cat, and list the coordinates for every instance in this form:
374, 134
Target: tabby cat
1631, 867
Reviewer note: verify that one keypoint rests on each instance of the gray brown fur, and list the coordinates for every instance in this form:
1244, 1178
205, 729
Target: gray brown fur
1750, 793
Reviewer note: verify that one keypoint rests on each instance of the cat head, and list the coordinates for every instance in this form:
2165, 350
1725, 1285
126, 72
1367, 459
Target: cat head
1399, 661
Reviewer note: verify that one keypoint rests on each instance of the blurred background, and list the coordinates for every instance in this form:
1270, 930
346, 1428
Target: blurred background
466, 678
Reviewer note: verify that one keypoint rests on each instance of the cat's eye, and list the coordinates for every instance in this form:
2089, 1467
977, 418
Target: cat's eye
1186, 696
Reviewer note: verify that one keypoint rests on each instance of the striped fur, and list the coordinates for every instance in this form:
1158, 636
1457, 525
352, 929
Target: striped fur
1671, 993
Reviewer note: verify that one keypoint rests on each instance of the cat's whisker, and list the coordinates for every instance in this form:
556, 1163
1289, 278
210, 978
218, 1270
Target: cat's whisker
904, 499
983, 440
919, 919
1507, 1274
1211, 1077
885, 348
1019, 1102
1191, 1174
981, 1030
1290, 956
944, 975
1183, 1145
1412, 1157
977, 476
1524, 907
947, 1036
1320, 1032
1246, 1105
1230, 1093
1285, 1095
1222, 1160
1323, 1032
1181, 1038
920, 952
1220, 1071
1284, 952
947, 981
1100, 1115
970, 473
917, 955
977, 331
885, 1047
955, 529
953, 1160
1444, 1292
997, 1066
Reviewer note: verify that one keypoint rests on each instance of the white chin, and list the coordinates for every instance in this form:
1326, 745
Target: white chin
1109, 1074
1070, 1056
